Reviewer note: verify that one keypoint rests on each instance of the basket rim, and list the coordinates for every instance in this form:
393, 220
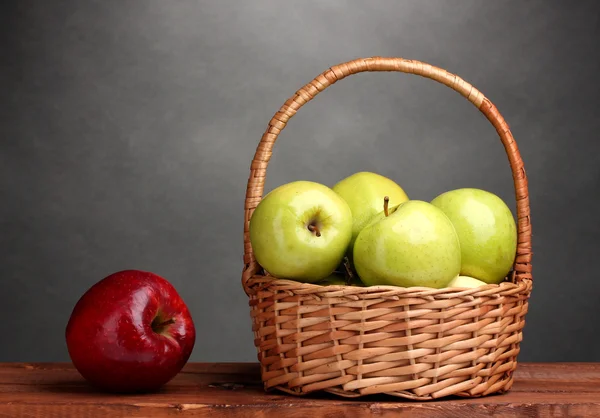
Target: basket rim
262, 283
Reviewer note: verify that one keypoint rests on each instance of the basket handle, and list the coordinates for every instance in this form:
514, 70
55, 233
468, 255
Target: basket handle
258, 168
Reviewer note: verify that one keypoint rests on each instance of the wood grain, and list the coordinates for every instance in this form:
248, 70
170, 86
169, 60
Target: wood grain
234, 390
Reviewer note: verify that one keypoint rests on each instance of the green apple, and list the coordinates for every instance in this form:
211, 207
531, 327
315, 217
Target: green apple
364, 192
486, 230
465, 281
301, 231
415, 245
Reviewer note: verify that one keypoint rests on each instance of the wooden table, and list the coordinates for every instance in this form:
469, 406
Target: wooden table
234, 390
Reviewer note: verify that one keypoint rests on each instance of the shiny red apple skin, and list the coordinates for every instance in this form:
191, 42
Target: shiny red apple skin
110, 335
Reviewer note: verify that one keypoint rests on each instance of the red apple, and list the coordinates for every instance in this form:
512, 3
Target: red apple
130, 332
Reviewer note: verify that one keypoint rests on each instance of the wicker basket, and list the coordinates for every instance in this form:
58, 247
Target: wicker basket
416, 343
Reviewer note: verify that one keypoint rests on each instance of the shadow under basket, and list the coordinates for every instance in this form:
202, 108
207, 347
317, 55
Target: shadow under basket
415, 343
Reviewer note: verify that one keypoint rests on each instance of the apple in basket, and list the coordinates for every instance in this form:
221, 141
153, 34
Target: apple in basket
364, 193
486, 230
413, 244
466, 282
301, 231
130, 332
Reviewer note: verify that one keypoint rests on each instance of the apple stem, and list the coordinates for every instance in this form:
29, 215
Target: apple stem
386, 201
315, 229
159, 327
349, 275
165, 323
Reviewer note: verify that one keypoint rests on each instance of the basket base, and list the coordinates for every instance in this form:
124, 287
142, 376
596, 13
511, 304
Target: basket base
497, 388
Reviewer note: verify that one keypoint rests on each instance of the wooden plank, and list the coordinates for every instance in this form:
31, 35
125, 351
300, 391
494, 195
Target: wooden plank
234, 390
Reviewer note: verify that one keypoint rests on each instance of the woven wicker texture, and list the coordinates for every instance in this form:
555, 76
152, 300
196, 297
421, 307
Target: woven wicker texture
417, 343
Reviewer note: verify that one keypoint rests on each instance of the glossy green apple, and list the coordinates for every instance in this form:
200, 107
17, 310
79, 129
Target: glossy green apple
465, 281
415, 245
364, 192
301, 231
486, 230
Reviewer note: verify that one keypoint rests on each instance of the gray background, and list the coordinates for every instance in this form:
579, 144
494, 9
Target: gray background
127, 129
